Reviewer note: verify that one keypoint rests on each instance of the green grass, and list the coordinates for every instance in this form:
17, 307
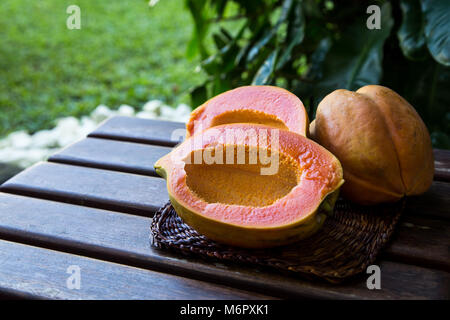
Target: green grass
125, 52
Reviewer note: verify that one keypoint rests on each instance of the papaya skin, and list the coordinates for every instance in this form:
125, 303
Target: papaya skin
381, 141
251, 234
248, 237
267, 105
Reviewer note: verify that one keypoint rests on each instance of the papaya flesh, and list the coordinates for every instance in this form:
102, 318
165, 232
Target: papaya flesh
268, 105
381, 141
229, 191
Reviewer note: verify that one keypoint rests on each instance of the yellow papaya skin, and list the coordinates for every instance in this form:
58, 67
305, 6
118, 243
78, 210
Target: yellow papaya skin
256, 237
382, 143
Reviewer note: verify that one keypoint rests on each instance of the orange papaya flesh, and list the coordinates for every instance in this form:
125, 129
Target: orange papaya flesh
232, 202
268, 105
381, 141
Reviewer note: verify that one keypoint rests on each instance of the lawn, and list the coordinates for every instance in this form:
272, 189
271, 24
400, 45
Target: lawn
125, 53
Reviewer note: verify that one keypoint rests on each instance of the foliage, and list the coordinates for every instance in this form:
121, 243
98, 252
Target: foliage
125, 53
312, 47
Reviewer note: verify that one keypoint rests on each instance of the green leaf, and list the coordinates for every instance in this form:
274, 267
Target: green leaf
220, 84
262, 77
201, 25
296, 33
437, 29
411, 32
270, 34
220, 7
318, 58
211, 64
219, 41
198, 96
355, 60
426, 88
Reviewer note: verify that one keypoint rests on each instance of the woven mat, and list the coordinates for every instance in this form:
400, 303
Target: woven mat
348, 242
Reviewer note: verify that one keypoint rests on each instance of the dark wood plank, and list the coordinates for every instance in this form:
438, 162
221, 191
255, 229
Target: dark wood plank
106, 189
421, 241
112, 155
138, 194
160, 132
130, 193
434, 203
165, 133
442, 165
43, 273
125, 239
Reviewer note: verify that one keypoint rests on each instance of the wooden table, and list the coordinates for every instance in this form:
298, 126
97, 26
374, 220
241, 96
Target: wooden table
90, 206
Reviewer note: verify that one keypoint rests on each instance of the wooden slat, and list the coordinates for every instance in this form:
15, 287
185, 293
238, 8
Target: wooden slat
112, 155
421, 241
125, 239
434, 203
442, 165
130, 193
140, 158
160, 132
165, 133
106, 189
43, 273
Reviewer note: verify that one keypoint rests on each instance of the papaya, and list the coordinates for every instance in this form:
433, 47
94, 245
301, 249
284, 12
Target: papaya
381, 141
269, 105
251, 185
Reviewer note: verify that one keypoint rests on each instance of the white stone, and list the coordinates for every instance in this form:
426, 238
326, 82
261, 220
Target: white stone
153, 106
24, 150
168, 113
146, 115
87, 125
44, 139
183, 109
19, 139
125, 110
34, 155
67, 130
101, 113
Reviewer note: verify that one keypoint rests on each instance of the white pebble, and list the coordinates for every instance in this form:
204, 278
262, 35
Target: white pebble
125, 110
67, 130
153, 106
168, 113
19, 139
101, 113
146, 115
87, 125
44, 139
24, 150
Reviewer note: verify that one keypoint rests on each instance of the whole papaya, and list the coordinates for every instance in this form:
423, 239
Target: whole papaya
381, 141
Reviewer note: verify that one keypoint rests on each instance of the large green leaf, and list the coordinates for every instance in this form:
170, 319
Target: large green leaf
271, 33
201, 26
437, 29
296, 33
264, 73
411, 32
198, 95
355, 60
427, 90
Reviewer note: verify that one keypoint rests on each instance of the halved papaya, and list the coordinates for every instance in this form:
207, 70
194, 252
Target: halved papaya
268, 105
251, 185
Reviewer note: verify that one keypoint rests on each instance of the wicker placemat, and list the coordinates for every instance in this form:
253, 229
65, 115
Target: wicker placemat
348, 242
